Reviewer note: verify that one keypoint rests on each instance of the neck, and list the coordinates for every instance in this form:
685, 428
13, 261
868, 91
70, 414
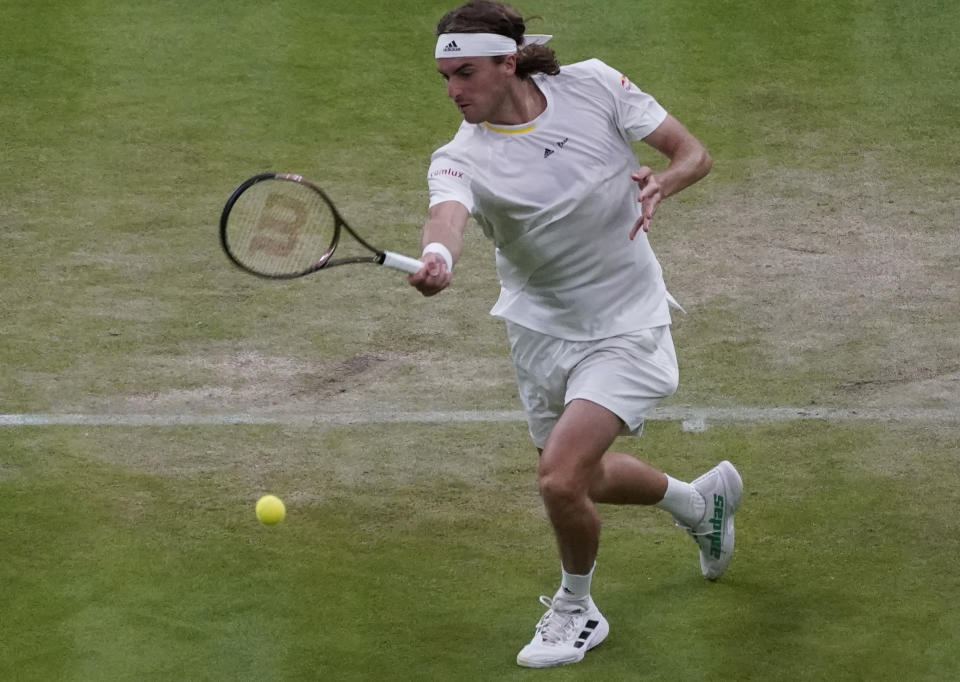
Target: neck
522, 103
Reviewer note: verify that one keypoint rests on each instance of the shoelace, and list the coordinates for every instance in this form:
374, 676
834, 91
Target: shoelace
692, 532
557, 626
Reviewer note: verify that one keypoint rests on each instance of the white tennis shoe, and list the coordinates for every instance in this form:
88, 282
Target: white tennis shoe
721, 488
565, 633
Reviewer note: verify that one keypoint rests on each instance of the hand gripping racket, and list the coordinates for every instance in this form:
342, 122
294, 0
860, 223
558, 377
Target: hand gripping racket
282, 226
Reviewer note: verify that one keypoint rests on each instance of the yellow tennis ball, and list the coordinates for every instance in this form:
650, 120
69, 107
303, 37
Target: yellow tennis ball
270, 510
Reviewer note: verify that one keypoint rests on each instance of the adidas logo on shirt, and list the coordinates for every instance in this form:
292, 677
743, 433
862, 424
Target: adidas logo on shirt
559, 145
451, 47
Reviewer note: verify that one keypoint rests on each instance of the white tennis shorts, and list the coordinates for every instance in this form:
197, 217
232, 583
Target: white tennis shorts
626, 374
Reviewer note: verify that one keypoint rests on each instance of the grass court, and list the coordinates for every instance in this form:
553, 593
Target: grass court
818, 264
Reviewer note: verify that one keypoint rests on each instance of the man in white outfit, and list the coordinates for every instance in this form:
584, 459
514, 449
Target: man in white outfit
543, 162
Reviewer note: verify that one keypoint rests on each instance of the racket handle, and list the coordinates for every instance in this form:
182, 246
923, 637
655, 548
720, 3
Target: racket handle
400, 262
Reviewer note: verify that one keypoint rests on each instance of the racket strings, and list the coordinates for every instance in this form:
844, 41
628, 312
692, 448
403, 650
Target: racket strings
280, 228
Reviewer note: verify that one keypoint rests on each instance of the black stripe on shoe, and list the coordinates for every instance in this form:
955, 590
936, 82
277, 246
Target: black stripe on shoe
584, 635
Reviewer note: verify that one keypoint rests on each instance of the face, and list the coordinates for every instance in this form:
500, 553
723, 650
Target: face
477, 85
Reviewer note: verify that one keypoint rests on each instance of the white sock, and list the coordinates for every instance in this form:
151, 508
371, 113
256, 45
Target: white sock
573, 586
683, 501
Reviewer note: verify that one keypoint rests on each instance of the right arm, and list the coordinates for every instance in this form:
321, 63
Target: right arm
446, 224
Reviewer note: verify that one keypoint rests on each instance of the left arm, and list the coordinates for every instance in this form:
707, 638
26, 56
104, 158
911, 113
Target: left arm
689, 161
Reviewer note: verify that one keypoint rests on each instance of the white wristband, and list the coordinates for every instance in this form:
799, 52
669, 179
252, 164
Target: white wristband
440, 250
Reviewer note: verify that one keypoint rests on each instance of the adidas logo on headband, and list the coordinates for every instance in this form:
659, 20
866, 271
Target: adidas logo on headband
481, 44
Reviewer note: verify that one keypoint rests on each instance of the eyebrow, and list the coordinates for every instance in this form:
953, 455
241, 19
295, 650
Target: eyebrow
457, 70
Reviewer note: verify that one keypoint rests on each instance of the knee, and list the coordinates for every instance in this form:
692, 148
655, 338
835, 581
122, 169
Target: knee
559, 489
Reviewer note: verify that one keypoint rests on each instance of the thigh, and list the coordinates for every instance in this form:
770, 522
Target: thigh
578, 442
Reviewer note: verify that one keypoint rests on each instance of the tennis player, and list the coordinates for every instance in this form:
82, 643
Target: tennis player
543, 162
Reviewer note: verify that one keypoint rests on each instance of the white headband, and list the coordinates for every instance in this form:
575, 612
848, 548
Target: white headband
455, 45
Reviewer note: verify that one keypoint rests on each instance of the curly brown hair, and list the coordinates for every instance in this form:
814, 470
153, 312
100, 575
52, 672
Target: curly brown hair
488, 16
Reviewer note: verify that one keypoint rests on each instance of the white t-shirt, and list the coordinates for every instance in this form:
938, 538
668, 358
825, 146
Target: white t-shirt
556, 198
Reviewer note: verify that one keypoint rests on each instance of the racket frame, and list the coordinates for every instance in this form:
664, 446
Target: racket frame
379, 257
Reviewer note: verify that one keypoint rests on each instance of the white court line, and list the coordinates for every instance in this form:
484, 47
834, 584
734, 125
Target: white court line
281, 419
693, 418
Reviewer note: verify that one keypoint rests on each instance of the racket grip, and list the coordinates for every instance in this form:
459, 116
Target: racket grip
401, 262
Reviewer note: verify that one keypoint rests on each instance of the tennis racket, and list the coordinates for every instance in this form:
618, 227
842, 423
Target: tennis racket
281, 226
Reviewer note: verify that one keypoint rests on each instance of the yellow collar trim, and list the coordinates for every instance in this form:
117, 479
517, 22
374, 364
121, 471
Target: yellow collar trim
510, 131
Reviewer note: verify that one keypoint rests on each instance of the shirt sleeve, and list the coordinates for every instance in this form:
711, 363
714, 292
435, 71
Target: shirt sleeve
448, 179
638, 114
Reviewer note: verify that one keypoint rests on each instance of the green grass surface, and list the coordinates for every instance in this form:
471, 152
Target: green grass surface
818, 264
140, 557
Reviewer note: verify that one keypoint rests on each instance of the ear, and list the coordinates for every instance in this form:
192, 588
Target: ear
509, 64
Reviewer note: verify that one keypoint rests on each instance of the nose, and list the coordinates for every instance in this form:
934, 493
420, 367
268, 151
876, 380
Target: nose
452, 90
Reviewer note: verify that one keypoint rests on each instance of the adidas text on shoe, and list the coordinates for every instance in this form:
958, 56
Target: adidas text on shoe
721, 488
565, 633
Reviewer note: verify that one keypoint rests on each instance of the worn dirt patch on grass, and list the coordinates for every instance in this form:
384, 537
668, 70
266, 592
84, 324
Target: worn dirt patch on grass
844, 286
836, 271
253, 383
